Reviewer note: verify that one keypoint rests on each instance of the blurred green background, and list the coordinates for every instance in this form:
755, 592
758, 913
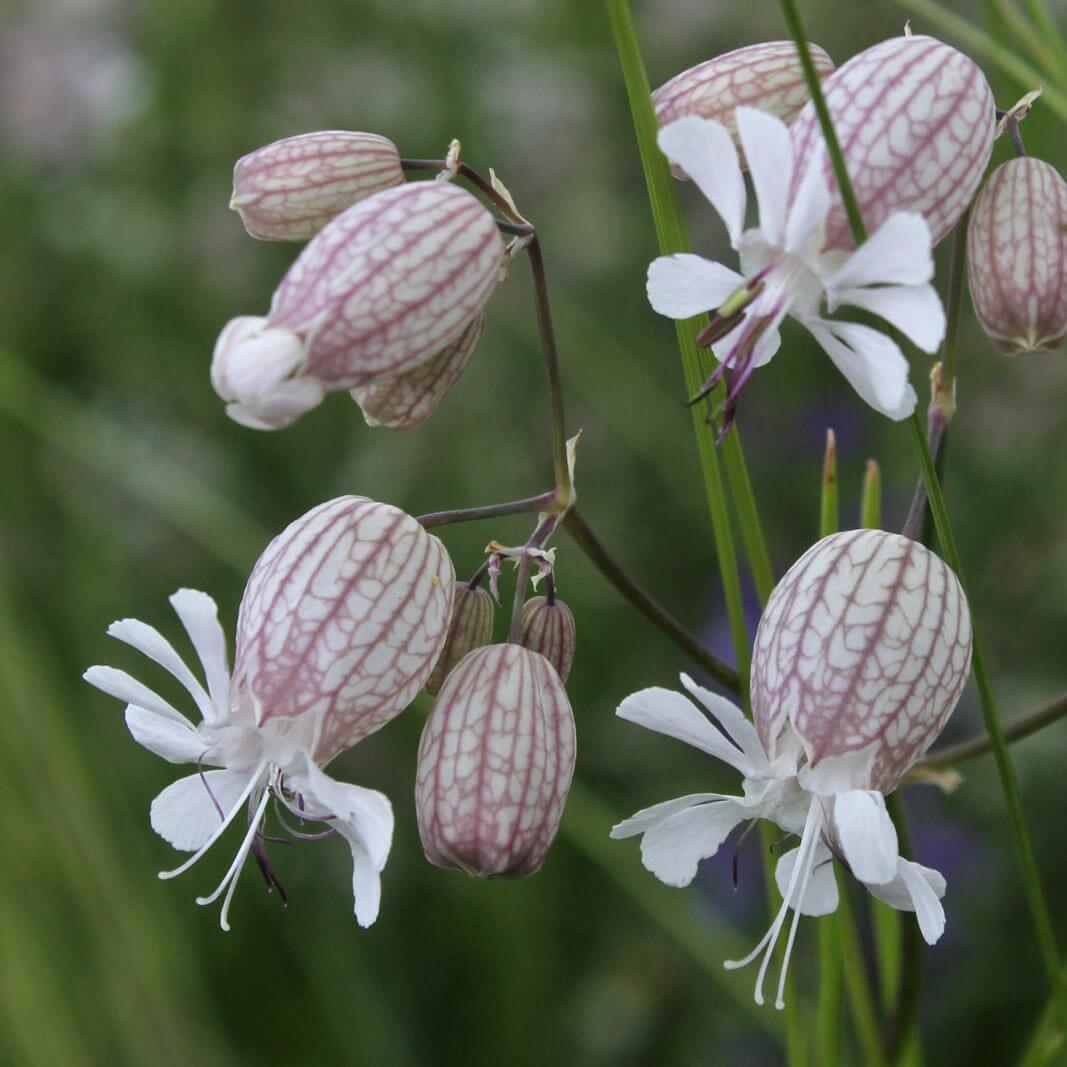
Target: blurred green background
122, 480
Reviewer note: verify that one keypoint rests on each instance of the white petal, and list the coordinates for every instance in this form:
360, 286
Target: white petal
810, 207
821, 897
186, 813
200, 617
685, 285
915, 310
673, 848
766, 347
732, 719
706, 152
119, 684
175, 742
642, 820
148, 640
897, 253
873, 364
672, 714
919, 889
867, 836
769, 154
364, 817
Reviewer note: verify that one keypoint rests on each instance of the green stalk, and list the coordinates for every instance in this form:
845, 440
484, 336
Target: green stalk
829, 511
1009, 784
672, 237
857, 983
871, 500
1050, 32
982, 44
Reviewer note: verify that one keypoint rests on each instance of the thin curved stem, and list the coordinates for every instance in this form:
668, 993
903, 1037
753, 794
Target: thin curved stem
1015, 730
541, 502
598, 555
1028, 870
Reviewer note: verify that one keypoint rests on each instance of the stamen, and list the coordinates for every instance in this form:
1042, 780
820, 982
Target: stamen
229, 879
253, 781
808, 840
718, 328
203, 779
299, 833
809, 866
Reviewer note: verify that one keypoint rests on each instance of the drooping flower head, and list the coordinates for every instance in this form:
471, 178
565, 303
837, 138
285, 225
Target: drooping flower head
768, 76
495, 764
289, 189
341, 622
859, 659
1017, 256
471, 628
548, 627
788, 269
382, 288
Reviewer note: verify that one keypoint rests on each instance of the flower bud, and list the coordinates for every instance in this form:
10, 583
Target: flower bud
495, 764
915, 121
863, 650
289, 190
342, 620
471, 628
768, 76
1017, 256
384, 287
407, 399
548, 628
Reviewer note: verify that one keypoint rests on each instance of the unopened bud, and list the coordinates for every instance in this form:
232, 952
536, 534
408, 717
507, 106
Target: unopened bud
915, 120
1017, 256
768, 76
290, 189
407, 399
471, 628
384, 287
495, 764
548, 628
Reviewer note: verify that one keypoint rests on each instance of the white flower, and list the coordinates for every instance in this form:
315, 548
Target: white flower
254, 762
820, 805
786, 269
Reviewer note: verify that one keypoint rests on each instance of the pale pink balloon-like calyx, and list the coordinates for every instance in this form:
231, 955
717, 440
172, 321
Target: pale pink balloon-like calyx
1017, 256
382, 288
289, 189
915, 119
862, 653
405, 400
548, 628
495, 764
471, 627
768, 76
342, 620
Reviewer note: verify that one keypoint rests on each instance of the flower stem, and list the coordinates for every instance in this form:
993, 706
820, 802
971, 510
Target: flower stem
541, 502
829, 512
608, 566
871, 498
857, 983
1009, 784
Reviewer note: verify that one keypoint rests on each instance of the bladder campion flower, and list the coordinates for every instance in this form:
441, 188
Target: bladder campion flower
548, 627
495, 764
341, 622
290, 189
788, 270
766, 75
1017, 256
471, 628
385, 286
859, 660
915, 119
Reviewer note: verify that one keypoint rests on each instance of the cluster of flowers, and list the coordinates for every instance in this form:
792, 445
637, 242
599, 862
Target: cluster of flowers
354, 608
865, 645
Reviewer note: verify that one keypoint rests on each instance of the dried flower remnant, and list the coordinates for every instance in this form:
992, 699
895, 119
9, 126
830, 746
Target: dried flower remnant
547, 627
767, 76
788, 270
1017, 256
384, 287
495, 764
290, 189
471, 627
407, 399
340, 624
860, 658
915, 119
